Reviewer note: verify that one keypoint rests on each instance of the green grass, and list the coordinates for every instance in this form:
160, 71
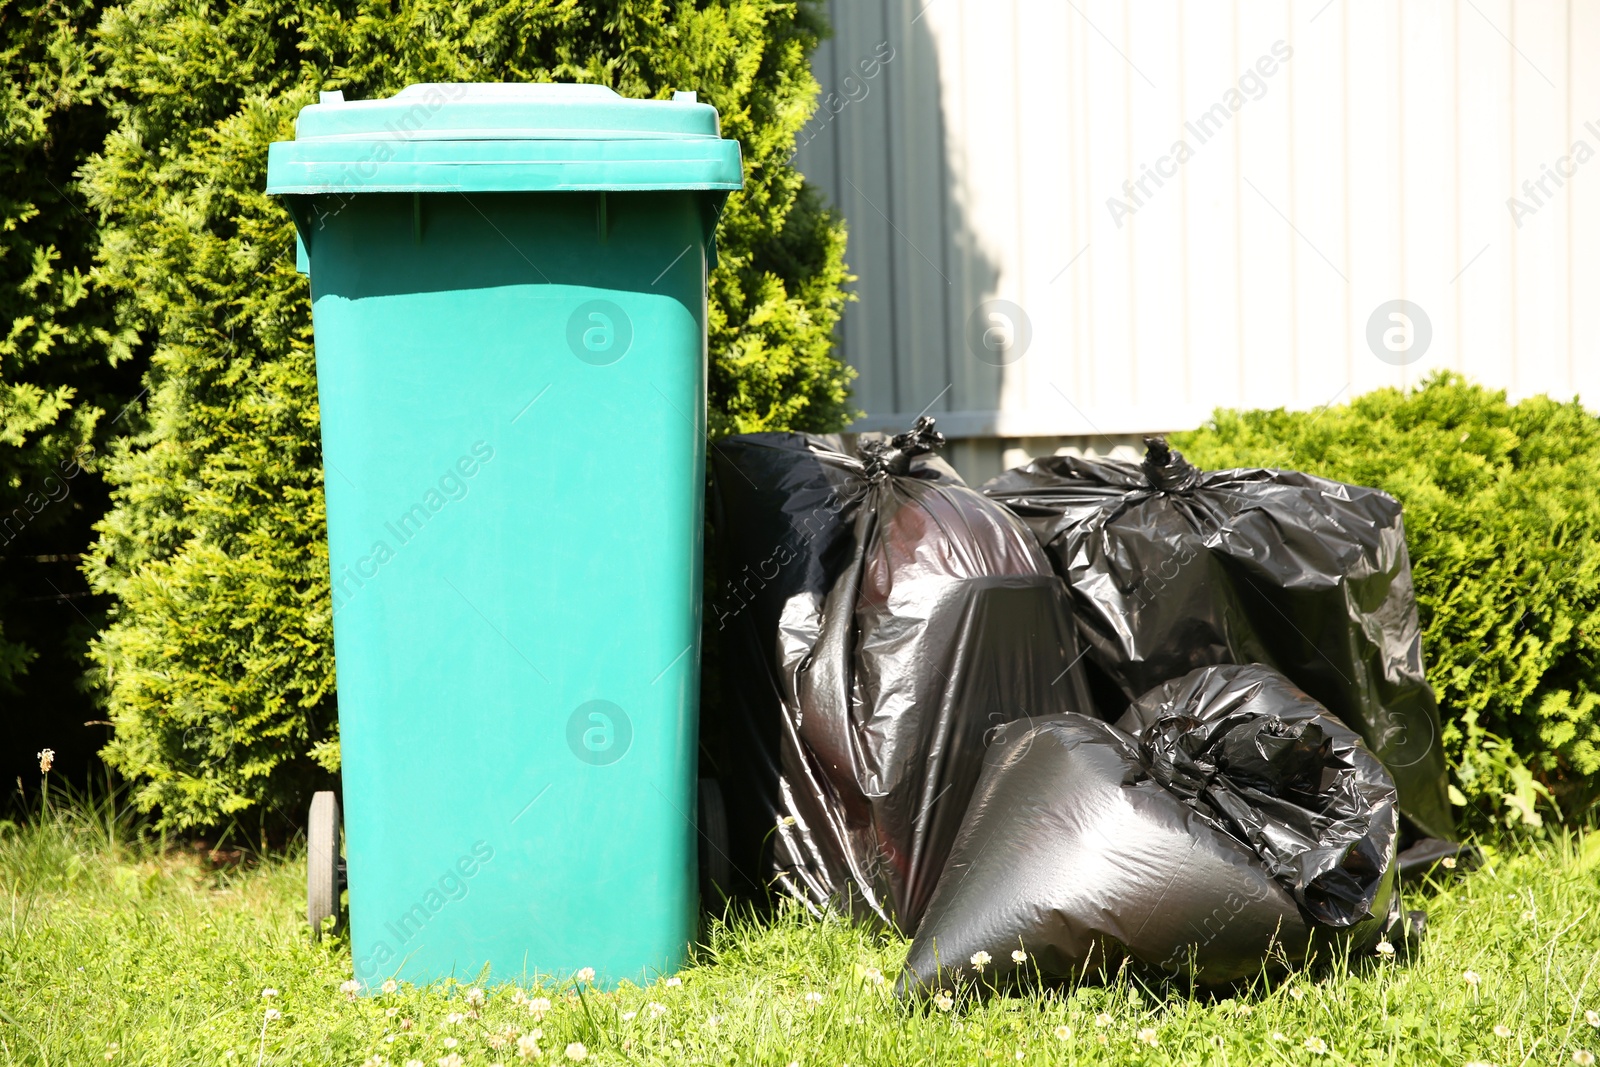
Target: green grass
114, 950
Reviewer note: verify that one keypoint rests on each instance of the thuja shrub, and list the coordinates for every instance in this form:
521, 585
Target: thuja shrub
1503, 526
217, 666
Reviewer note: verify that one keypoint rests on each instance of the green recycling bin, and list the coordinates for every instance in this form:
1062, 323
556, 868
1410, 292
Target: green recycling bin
508, 288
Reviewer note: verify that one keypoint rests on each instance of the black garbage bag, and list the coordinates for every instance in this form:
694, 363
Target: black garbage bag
1174, 568
1225, 826
881, 626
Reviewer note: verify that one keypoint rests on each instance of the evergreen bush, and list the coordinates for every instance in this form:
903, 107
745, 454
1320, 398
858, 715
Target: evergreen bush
217, 664
1503, 524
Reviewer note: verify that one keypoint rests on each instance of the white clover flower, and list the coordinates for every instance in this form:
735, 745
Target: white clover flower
1448, 863
787, 820
1244, 1009
1583, 1058
475, 997
713, 1021
576, 1051
1502, 1030
538, 1005
1592, 1017
350, 989
1316, 1046
1018, 956
1384, 949
391, 986
454, 1017
1279, 1035
1472, 978
1299, 994
674, 981
943, 1001
1063, 1033
813, 998
451, 1042
1102, 1020
47, 759
391, 1011
528, 1045
656, 1009
1148, 1036
980, 960
273, 1013
872, 975
629, 1016
584, 975
268, 993
452, 1060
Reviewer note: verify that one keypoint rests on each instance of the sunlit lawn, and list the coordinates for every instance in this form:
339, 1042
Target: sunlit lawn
114, 951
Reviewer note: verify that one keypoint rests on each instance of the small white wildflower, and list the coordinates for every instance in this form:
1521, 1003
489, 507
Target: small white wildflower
1583, 1058
391, 1011
674, 980
475, 997
1148, 1036
1502, 1030
1279, 1035
268, 993
1592, 1017
1384, 948
537, 1006
943, 1001
1472, 978
584, 975
713, 1021
47, 759
873, 975
391, 986
576, 1051
629, 1016
451, 1042
1297, 993
528, 1045
1018, 956
1448, 863
656, 1009
813, 998
1244, 1009
452, 1060
787, 820
1316, 1046
454, 1017
350, 989
390, 1039
274, 1013
1102, 1020
980, 960
1063, 1033
413, 1063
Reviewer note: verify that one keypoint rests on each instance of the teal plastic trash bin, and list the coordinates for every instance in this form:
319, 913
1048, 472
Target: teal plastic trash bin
508, 289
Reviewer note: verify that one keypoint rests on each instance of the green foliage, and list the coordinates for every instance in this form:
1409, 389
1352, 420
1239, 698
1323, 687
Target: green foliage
54, 335
217, 663
115, 947
1503, 524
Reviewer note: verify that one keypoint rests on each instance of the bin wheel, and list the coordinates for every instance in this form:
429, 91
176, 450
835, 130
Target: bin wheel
324, 873
716, 870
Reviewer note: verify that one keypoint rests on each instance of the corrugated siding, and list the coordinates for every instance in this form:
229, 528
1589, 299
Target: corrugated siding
973, 146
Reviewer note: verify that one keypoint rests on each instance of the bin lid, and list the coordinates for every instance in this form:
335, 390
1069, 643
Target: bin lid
555, 137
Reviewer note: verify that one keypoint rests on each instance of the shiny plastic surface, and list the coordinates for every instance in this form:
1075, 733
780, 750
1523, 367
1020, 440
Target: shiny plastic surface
1227, 824
1174, 568
880, 626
